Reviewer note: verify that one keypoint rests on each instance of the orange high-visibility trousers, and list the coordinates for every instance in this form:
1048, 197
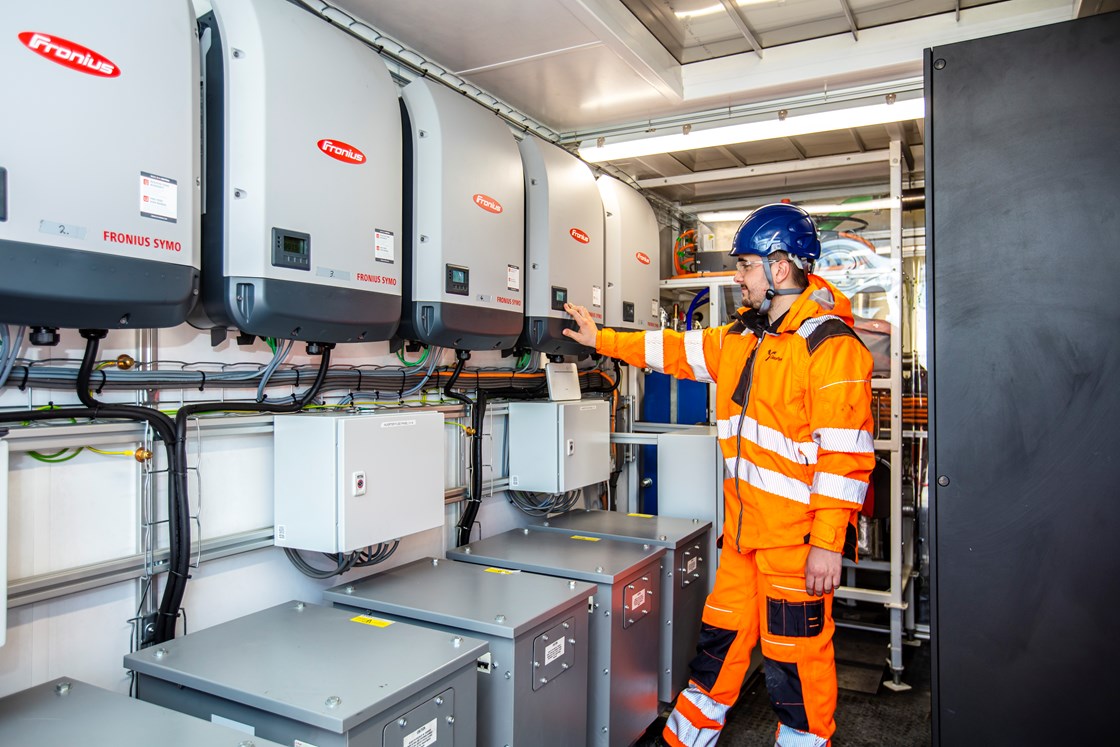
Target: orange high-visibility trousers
759, 595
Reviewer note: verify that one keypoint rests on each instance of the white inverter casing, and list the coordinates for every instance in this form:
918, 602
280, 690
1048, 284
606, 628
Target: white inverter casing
464, 231
563, 245
99, 163
633, 258
344, 482
302, 224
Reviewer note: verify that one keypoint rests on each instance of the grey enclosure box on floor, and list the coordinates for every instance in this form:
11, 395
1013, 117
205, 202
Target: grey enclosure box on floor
323, 676
684, 578
622, 691
533, 689
66, 711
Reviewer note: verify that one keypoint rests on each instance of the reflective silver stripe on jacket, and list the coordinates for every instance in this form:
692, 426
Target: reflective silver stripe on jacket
694, 355
771, 439
655, 351
768, 479
840, 488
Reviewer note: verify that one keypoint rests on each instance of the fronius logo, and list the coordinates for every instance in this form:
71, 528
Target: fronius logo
487, 203
642, 257
69, 54
341, 151
579, 236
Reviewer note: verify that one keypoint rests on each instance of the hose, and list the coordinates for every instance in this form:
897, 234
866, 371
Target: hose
692, 307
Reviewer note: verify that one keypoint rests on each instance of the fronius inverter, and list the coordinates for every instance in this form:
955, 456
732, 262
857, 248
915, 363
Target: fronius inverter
633, 258
302, 219
464, 224
563, 245
99, 163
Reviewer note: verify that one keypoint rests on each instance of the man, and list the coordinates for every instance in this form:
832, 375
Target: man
793, 404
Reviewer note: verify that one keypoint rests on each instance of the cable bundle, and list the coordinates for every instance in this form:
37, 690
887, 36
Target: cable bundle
544, 504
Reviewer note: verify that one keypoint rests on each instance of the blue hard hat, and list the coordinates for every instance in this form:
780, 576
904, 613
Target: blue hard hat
779, 227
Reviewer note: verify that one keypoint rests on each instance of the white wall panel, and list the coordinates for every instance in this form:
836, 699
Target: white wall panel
83, 635
71, 514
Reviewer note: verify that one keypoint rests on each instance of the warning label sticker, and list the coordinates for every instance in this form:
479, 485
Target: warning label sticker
422, 737
553, 651
513, 278
159, 197
384, 246
374, 621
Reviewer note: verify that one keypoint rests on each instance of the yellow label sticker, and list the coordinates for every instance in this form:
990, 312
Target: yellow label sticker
642, 516
585, 539
376, 622
500, 571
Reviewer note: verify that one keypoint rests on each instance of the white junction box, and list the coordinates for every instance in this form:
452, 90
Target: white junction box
558, 446
344, 482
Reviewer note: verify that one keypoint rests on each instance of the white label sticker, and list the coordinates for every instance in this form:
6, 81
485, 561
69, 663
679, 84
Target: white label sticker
231, 724
384, 246
596, 296
513, 278
553, 651
692, 563
62, 229
398, 423
638, 600
423, 736
654, 308
301, 743
159, 197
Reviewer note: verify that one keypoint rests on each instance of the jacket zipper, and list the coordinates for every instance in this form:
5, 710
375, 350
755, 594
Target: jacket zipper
739, 436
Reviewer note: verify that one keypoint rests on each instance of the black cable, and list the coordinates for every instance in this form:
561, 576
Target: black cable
178, 527
478, 409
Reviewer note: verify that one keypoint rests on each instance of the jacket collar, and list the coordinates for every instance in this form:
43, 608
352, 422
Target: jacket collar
821, 298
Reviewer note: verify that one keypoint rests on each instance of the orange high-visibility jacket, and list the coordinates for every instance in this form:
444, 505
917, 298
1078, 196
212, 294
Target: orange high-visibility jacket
793, 413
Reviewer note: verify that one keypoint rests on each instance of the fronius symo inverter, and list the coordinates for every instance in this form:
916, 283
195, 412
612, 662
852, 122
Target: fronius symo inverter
99, 154
563, 245
633, 258
302, 220
464, 223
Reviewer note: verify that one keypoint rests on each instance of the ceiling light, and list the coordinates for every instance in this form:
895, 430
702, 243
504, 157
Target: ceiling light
711, 10
725, 216
768, 129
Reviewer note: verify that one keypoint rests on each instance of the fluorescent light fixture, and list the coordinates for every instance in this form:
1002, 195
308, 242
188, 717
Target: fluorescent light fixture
836, 119
725, 216
711, 10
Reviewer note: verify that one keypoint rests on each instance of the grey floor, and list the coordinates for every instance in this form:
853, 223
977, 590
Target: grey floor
879, 718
